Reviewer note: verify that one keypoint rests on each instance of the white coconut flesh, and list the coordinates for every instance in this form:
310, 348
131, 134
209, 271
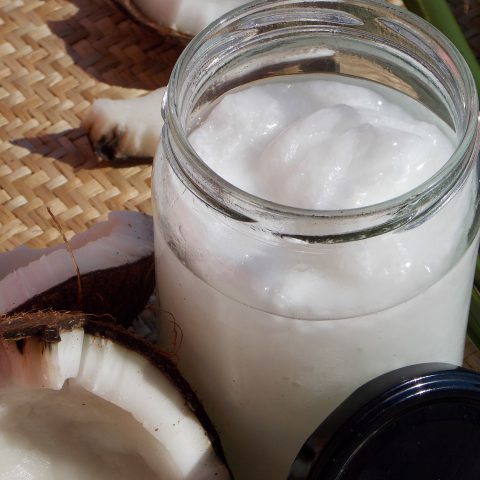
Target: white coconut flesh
125, 238
132, 125
87, 407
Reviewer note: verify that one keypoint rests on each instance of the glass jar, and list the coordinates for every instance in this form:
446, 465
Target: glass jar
283, 312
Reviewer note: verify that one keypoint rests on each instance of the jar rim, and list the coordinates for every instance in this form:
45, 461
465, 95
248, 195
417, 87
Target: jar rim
251, 208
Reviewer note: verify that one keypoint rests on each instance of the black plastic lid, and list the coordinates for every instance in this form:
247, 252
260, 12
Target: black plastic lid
416, 423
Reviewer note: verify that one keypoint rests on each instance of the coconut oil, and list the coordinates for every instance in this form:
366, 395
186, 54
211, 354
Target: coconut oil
315, 143
312, 232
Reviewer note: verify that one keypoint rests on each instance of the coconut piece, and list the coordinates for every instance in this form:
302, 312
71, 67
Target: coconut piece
114, 258
127, 129
81, 398
164, 10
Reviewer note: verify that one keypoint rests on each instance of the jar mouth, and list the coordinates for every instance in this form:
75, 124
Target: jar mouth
373, 219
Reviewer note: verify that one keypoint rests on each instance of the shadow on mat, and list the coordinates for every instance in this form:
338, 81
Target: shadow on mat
71, 147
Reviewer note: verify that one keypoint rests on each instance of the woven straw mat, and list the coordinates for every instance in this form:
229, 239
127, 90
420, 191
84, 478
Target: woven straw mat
56, 57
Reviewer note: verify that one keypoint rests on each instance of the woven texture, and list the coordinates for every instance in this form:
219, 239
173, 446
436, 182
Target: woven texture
56, 57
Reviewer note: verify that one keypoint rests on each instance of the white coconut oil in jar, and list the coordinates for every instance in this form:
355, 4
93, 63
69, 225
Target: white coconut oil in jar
315, 213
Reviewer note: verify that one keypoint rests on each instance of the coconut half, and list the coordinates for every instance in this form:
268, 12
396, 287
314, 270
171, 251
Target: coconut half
180, 19
115, 262
140, 12
82, 399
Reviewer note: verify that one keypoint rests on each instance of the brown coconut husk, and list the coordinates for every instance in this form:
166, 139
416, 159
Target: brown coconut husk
120, 293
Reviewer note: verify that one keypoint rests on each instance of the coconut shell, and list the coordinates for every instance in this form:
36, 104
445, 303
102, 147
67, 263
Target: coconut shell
120, 293
131, 9
47, 326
